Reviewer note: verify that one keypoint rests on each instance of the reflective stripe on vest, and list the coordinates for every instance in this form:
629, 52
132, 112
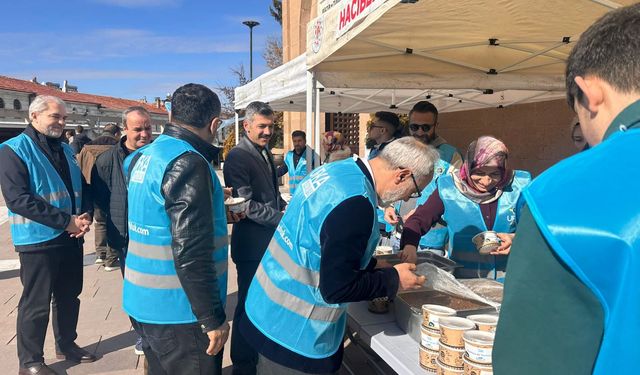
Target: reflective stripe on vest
152, 292
45, 183
298, 172
464, 220
284, 300
295, 304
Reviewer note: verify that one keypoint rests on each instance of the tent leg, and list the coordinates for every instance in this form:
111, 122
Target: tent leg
318, 133
309, 114
237, 129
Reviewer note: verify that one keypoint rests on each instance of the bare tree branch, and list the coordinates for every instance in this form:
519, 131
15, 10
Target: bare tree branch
272, 53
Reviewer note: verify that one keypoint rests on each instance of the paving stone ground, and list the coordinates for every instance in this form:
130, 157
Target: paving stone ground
103, 327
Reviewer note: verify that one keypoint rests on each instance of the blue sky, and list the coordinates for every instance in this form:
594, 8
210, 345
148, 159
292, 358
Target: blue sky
132, 48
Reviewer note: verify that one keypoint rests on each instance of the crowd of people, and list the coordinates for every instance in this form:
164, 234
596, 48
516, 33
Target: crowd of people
160, 216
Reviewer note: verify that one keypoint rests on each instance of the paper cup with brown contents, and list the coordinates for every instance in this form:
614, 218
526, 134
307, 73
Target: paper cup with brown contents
473, 368
433, 313
444, 369
479, 345
428, 358
430, 338
451, 356
485, 322
452, 328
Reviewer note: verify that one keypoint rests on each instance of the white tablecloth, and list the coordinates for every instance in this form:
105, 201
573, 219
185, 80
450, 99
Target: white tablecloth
383, 335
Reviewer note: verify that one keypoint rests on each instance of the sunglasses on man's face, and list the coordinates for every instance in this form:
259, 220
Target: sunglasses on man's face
425, 127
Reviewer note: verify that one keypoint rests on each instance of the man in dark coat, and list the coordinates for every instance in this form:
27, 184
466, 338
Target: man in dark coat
49, 210
250, 171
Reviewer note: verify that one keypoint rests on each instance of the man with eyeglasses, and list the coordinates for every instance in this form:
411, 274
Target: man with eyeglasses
49, 210
384, 129
320, 259
423, 120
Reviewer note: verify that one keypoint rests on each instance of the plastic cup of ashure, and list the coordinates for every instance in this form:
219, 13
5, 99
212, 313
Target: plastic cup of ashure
473, 368
486, 242
485, 322
236, 205
451, 356
429, 337
479, 345
433, 313
444, 369
452, 329
428, 358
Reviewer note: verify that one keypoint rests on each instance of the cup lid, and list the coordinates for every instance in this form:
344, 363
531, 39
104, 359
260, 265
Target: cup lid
439, 309
479, 337
458, 323
484, 319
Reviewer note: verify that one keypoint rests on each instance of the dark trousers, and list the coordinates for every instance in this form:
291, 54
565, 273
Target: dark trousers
102, 248
177, 349
268, 367
57, 273
243, 356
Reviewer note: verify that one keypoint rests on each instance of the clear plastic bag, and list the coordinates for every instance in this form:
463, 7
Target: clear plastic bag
442, 281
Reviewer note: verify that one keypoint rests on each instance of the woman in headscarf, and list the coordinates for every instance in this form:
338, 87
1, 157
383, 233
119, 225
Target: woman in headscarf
335, 147
482, 195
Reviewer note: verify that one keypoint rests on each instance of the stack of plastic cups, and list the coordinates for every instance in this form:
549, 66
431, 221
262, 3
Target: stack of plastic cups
478, 345
451, 354
430, 335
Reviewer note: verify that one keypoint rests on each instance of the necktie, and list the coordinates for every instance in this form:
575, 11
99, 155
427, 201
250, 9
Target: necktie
265, 155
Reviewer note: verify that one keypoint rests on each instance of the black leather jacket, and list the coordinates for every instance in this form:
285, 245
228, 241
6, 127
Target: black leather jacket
188, 193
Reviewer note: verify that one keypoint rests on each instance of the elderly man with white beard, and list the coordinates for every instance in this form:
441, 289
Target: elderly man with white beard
49, 211
320, 259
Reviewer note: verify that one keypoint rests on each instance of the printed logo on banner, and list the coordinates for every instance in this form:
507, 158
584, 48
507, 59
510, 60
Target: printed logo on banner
318, 29
353, 11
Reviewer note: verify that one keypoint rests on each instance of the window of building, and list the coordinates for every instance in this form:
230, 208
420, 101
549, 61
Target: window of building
1, 103
17, 105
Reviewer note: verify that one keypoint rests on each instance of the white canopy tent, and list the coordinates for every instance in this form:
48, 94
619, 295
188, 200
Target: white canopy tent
284, 88
370, 55
444, 44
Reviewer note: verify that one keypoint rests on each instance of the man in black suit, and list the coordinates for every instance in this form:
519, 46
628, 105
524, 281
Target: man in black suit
250, 170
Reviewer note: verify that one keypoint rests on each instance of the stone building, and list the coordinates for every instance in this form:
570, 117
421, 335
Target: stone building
90, 111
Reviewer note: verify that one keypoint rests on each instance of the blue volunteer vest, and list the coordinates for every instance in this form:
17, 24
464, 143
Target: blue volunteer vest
600, 244
438, 235
297, 173
284, 300
464, 220
152, 292
45, 182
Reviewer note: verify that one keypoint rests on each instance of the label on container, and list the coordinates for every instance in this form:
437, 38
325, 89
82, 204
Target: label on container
480, 355
430, 342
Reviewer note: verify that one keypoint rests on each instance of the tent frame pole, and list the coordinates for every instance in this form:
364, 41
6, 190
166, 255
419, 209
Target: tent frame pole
237, 129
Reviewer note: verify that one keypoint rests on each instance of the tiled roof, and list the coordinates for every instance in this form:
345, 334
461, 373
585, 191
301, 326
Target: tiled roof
8, 83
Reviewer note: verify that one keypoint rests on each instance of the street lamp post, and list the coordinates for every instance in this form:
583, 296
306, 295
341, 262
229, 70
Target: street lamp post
251, 25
